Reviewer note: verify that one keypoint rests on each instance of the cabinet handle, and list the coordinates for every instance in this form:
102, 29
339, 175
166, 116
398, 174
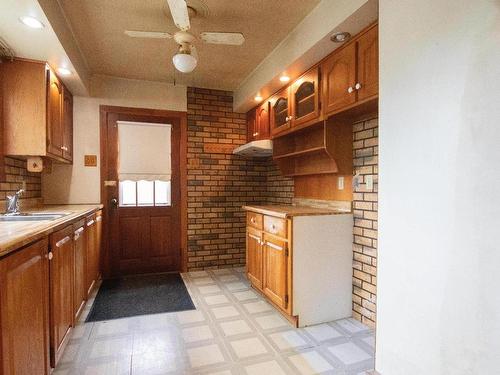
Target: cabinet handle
64, 148
287, 118
290, 118
79, 230
252, 220
255, 134
273, 246
91, 222
50, 255
358, 86
350, 90
98, 219
63, 241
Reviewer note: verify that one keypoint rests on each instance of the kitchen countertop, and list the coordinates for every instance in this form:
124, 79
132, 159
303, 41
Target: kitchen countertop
285, 211
15, 234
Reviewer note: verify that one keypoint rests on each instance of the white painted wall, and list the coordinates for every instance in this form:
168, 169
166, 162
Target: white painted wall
77, 183
439, 205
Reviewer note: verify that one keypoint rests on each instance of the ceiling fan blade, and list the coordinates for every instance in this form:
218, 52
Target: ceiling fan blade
180, 15
148, 34
234, 39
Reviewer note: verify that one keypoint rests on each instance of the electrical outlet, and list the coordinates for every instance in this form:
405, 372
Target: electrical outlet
369, 182
340, 183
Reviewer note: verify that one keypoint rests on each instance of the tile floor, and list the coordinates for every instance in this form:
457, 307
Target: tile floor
233, 331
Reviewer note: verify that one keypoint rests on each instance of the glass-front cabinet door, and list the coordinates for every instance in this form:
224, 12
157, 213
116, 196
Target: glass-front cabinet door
280, 111
305, 98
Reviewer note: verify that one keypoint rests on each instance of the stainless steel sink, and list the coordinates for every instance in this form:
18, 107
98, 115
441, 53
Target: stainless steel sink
37, 216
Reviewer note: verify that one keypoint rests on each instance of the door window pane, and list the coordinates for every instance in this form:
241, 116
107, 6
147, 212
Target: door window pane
162, 193
145, 193
127, 193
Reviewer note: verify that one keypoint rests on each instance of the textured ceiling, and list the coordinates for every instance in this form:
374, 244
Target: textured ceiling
98, 27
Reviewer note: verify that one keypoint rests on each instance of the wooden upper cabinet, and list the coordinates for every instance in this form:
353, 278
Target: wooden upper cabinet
61, 291
67, 117
305, 98
24, 311
55, 128
275, 283
368, 64
339, 79
280, 111
37, 111
251, 125
262, 121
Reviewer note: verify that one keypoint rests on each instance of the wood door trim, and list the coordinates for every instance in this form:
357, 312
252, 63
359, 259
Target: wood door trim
104, 110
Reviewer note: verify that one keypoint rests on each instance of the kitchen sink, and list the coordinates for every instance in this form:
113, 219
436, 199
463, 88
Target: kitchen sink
31, 217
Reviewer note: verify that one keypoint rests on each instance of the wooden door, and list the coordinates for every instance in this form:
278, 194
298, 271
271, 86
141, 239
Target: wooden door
262, 121
339, 79
280, 111
305, 98
67, 111
91, 265
251, 125
143, 238
254, 257
80, 256
276, 270
367, 83
61, 291
24, 311
54, 115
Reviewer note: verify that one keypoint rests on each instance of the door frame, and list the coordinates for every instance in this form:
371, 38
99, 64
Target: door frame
104, 110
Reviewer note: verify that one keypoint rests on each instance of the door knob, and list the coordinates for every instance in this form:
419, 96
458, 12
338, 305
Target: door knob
114, 202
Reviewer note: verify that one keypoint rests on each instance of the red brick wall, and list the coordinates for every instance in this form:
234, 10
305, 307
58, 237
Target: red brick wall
219, 183
15, 174
365, 204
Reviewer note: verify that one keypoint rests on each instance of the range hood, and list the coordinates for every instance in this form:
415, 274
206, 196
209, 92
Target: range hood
259, 149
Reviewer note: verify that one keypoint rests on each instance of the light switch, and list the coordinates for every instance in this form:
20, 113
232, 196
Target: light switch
340, 183
369, 182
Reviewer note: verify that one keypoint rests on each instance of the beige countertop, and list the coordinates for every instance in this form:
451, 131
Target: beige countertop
15, 234
285, 211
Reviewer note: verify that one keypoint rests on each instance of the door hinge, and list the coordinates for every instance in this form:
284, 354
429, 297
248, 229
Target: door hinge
286, 298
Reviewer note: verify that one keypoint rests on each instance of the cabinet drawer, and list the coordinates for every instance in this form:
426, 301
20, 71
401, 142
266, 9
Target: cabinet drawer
275, 225
254, 220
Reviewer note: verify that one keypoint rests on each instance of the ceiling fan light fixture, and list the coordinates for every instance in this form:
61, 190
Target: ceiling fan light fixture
184, 61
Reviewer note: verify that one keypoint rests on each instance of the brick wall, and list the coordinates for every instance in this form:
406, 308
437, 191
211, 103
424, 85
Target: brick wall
365, 204
219, 183
15, 174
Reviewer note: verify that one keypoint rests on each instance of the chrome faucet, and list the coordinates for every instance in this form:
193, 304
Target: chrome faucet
12, 203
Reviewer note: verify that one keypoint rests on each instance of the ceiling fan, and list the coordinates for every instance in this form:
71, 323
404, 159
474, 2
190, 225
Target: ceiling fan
186, 58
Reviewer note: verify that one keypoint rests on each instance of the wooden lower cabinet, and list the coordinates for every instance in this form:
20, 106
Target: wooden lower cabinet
61, 290
302, 264
254, 257
80, 256
24, 311
92, 257
276, 276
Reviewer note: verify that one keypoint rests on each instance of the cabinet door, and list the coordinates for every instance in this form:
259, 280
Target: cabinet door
368, 64
67, 111
24, 311
98, 244
254, 257
79, 289
305, 98
251, 125
280, 111
91, 254
262, 121
54, 116
339, 79
61, 290
276, 271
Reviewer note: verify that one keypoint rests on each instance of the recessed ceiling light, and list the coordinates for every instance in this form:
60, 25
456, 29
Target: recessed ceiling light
340, 37
32, 22
64, 71
258, 98
284, 78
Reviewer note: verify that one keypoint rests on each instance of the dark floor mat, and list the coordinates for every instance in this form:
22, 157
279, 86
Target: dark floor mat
140, 295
